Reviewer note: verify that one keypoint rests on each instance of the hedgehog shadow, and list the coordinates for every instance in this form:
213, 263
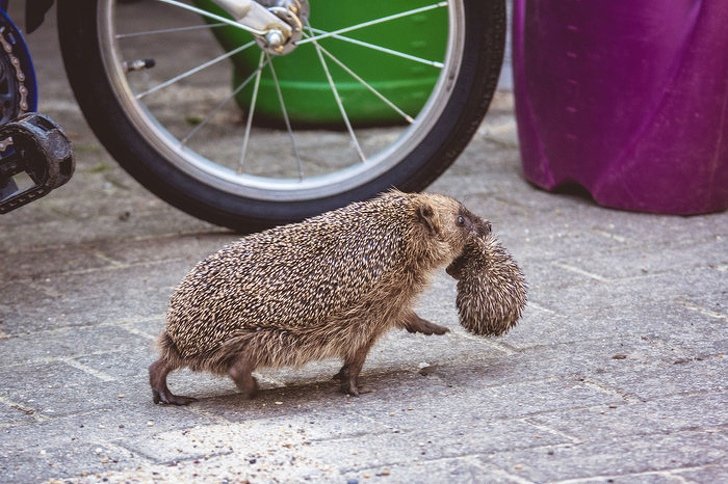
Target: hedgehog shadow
383, 384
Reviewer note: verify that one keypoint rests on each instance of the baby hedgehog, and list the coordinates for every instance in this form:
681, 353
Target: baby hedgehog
329, 286
491, 287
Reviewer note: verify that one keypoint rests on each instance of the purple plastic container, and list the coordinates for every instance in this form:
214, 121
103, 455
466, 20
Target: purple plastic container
627, 98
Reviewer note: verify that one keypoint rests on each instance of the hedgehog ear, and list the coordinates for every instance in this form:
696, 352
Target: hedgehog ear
426, 215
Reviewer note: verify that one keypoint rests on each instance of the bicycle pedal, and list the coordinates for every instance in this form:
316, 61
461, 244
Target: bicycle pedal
35, 158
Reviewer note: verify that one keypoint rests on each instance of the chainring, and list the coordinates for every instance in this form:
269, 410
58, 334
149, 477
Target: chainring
18, 89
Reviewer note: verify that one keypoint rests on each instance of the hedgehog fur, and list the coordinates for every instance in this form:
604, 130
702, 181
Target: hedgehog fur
491, 288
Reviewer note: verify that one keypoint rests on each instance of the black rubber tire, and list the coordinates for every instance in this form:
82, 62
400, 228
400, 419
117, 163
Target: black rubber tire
485, 22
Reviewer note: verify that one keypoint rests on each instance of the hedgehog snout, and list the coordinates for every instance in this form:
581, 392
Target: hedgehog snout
479, 227
483, 227
475, 225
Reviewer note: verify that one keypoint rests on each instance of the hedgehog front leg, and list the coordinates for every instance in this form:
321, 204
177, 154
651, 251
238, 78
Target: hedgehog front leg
412, 323
349, 373
241, 373
158, 372
415, 324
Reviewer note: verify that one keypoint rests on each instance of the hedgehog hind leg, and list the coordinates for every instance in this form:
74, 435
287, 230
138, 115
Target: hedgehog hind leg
349, 373
241, 373
158, 372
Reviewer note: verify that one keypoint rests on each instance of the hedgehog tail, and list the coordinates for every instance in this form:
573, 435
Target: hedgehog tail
169, 352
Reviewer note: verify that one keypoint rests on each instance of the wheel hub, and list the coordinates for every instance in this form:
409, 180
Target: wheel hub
295, 14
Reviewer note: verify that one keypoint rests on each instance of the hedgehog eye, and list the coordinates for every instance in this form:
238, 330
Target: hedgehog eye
460, 220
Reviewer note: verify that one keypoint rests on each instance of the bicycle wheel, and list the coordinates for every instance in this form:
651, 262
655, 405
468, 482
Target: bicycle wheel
191, 136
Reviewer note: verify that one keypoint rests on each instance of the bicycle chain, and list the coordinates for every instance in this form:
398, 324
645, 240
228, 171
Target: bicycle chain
7, 47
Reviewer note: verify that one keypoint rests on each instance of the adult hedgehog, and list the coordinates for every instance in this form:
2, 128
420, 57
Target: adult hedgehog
329, 286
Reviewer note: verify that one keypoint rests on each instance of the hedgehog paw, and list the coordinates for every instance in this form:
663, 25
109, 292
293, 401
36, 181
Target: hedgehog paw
416, 324
431, 328
170, 399
354, 390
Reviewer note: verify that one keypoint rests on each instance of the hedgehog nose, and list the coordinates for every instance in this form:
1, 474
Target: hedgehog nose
483, 228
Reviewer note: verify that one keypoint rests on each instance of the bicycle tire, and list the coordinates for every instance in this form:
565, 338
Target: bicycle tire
468, 100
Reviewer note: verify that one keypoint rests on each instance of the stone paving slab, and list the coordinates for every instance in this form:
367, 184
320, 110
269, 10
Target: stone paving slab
717, 473
661, 415
36, 465
66, 343
615, 457
466, 469
617, 372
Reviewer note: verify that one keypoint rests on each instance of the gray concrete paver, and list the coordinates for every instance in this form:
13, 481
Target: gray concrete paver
657, 416
615, 456
450, 469
37, 464
618, 371
717, 473
65, 343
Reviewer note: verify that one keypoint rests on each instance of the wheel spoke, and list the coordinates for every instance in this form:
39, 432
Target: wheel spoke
349, 128
286, 119
168, 31
195, 70
353, 74
217, 108
372, 22
249, 123
212, 16
379, 48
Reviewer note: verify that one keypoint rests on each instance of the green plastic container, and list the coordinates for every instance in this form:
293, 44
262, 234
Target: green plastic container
305, 89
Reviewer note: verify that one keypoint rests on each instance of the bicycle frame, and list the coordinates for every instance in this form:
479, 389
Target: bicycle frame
35, 11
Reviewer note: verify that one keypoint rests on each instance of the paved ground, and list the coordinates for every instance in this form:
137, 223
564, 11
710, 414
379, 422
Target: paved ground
617, 373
